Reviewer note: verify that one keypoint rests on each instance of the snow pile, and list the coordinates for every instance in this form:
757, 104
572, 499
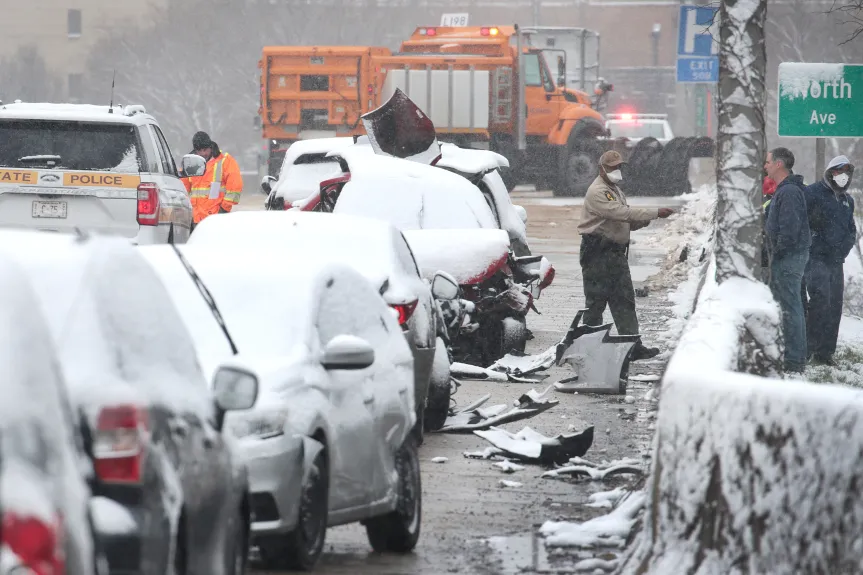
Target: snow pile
688, 241
609, 530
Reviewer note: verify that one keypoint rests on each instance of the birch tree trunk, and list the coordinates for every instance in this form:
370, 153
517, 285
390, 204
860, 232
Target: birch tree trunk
741, 139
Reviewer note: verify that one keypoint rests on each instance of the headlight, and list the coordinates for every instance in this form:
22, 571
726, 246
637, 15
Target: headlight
263, 425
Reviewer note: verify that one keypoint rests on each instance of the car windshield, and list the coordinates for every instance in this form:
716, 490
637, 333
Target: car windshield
69, 145
636, 129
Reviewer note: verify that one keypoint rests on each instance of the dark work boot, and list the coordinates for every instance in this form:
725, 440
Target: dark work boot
640, 352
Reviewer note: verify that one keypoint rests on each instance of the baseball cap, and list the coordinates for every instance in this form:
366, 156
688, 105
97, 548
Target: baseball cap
611, 159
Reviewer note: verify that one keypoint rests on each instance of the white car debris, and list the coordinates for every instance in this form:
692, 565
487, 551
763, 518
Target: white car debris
529, 445
508, 466
474, 416
597, 472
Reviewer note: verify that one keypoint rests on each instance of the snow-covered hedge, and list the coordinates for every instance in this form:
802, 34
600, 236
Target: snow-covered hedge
749, 474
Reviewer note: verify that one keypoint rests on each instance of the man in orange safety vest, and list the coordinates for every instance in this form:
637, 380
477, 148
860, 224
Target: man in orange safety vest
219, 189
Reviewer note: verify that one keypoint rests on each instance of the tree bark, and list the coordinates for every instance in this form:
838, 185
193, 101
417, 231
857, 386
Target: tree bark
741, 139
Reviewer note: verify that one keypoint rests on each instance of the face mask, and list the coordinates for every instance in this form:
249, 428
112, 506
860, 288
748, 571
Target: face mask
614, 176
841, 180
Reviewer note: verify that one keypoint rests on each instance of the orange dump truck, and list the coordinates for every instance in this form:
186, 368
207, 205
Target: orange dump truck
484, 87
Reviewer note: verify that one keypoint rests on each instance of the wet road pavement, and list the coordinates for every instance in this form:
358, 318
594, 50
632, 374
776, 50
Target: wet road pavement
472, 525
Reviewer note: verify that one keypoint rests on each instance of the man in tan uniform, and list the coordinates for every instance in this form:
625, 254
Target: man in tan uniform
606, 221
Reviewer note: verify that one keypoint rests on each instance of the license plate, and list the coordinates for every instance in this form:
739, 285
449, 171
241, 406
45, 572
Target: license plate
49, 209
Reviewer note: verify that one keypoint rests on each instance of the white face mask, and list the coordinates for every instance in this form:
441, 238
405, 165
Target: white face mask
841, 180
614, 176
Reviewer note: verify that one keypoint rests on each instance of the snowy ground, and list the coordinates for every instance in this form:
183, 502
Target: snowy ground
474, 523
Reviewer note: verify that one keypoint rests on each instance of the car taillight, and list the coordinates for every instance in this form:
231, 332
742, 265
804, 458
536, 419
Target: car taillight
119, 444
38, 545
288, 205
405, 310
148, 204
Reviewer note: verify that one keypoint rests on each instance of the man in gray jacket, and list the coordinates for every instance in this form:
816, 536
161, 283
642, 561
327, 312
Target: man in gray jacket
606, 221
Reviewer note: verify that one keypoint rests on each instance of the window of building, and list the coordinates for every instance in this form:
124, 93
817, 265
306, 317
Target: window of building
76, 87
74, 23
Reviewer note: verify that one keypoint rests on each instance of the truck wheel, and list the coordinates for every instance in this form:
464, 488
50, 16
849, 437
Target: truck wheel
437, 408
579, 166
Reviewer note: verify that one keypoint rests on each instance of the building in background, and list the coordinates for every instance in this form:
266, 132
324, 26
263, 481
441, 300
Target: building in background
64, 32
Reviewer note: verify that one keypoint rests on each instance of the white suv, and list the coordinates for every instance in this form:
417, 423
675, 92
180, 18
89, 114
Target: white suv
102, 169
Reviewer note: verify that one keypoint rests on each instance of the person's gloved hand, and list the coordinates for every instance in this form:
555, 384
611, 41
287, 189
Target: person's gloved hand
222, 210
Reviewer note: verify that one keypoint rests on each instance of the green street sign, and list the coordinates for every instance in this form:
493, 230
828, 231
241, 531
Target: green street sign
820, 100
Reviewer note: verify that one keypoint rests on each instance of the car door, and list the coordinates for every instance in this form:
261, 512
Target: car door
352, 399
169, 181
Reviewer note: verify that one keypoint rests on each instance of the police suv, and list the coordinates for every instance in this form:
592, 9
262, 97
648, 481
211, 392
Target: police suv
108, 170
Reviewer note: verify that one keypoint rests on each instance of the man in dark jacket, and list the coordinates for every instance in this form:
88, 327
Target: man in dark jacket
834, 233
789, 237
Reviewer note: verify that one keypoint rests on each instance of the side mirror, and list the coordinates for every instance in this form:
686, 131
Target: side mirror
256, 122
267, 184
233, 389
348, 352
194, 165
444, 286
522, 213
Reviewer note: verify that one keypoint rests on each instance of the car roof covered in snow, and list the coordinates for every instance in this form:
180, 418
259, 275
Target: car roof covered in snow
366, 244
74, 113
268, 307
411, 195
117, 333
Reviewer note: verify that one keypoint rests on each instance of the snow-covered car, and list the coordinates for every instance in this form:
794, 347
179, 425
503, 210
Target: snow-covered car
44, 498
375, 249
330, 440
305, 166
97, 168
450, 227
174, 497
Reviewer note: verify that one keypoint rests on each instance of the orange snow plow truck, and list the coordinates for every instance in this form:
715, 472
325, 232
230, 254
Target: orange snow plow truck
486, 87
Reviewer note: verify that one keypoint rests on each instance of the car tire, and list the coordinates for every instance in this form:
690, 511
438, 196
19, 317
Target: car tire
300, 549
514, 331
399, 530
437, 408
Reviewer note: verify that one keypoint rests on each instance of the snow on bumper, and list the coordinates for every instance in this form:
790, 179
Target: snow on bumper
749, 474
